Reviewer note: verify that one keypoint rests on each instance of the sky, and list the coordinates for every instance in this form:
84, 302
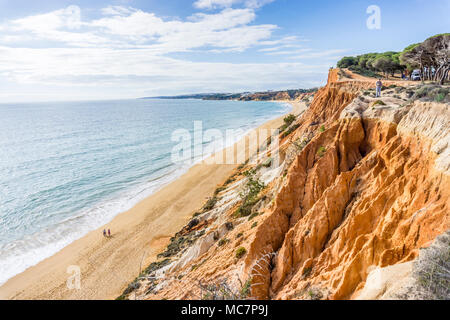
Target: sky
58, 50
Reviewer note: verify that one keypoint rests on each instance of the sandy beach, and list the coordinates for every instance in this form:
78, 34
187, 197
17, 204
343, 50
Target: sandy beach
139, 234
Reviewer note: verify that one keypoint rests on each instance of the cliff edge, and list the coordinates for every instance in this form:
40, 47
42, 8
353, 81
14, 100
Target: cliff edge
362, 185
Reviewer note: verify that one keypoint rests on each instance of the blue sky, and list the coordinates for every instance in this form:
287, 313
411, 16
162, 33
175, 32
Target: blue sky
79, 50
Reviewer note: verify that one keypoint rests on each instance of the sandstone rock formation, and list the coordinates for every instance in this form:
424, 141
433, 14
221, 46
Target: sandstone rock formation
364, 185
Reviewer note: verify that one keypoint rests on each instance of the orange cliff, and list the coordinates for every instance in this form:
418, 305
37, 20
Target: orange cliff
363, 185
371, 200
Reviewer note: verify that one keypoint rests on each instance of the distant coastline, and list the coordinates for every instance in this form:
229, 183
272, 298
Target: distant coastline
283, 95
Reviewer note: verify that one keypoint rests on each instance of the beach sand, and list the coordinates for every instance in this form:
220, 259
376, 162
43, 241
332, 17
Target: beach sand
108, 265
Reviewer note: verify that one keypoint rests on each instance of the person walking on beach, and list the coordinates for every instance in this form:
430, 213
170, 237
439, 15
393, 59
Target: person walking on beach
379, 86
109, 233
104, 232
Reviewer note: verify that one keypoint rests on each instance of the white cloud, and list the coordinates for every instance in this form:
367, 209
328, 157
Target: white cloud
277, 52
142, 24
137, 72
35, 64
257, 3
215, 4
229, 29
212, 4
125, 53
61, 25
116, 11
68, 18
332, 54
282, 43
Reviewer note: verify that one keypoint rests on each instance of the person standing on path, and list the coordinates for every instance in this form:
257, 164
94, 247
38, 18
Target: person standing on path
379, 86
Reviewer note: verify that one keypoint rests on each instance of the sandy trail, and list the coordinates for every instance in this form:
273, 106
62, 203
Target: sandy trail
352, 76
139, 234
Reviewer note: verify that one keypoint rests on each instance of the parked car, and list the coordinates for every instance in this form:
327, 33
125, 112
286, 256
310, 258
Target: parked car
415, 75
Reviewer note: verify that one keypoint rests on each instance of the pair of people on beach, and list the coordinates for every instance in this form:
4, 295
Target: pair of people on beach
379, 86
109, 233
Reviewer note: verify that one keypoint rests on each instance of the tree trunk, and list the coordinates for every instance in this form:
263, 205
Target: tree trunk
437, 74
444, 76
422, 76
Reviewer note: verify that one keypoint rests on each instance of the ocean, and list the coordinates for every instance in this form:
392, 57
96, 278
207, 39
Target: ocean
67, 168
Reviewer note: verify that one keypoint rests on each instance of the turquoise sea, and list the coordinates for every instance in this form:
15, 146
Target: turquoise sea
69, 168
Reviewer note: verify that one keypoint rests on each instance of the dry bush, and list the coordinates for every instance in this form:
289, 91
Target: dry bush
432, 270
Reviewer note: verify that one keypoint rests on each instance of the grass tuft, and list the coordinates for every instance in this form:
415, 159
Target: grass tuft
240, 252
321, 151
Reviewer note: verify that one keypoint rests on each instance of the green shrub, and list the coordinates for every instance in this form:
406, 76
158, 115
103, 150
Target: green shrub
300, 146
254, 225
219, 190
322, 129
223, 242
431, 93
240, 252
306, 272
321, 151
378, 102
249, 173
176, 244
440, 97
245, 291
315, 294
290, 130
267, 163
250, 194
210, 204
240, 234
253, 215
289, 119
346, 62
230, 180
156, 265
283, 127
245, 208
131, 287
287, 122
222, 290
422, 92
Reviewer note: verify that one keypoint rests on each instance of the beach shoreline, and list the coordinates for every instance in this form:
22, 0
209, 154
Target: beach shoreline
108, 265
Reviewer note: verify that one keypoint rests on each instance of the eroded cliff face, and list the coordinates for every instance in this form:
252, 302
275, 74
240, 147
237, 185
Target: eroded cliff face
364, 185
365, 193
381, 201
